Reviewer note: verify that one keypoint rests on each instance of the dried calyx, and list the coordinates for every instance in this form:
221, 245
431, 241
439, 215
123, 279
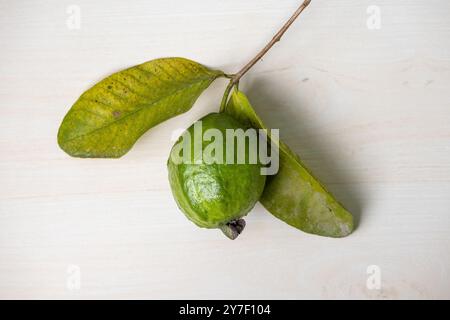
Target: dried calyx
233, 229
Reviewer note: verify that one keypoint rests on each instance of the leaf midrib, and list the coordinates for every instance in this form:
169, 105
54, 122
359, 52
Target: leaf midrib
143, 107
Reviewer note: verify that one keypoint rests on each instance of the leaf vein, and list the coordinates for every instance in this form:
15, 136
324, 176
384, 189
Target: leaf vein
209, 80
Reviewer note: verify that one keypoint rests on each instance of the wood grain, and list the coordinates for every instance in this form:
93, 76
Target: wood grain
367, 110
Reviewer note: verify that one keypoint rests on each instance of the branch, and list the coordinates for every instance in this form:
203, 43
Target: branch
275, 39
236, 77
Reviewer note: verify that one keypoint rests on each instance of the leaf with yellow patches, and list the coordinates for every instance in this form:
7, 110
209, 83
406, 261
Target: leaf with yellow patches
107, 120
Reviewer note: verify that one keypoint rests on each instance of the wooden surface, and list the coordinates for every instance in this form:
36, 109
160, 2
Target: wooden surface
367, 108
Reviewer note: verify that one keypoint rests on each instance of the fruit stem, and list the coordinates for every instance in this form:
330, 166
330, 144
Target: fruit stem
234, 79
225, 96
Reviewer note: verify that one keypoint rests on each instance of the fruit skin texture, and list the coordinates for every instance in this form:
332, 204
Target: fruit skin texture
212, 195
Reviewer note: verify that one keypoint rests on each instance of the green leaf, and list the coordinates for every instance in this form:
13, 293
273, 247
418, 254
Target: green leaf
294, 195
109, 118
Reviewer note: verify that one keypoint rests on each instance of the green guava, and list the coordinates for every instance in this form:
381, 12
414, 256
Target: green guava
212, 191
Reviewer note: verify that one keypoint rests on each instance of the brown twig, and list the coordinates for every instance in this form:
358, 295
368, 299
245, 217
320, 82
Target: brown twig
236, 77
275, 39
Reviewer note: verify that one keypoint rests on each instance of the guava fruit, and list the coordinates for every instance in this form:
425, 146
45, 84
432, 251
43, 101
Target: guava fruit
209, 190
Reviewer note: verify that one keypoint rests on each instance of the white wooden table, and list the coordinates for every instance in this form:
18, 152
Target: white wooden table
364, 101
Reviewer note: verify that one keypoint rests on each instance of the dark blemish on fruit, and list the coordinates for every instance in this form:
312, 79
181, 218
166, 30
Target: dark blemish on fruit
110, 87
